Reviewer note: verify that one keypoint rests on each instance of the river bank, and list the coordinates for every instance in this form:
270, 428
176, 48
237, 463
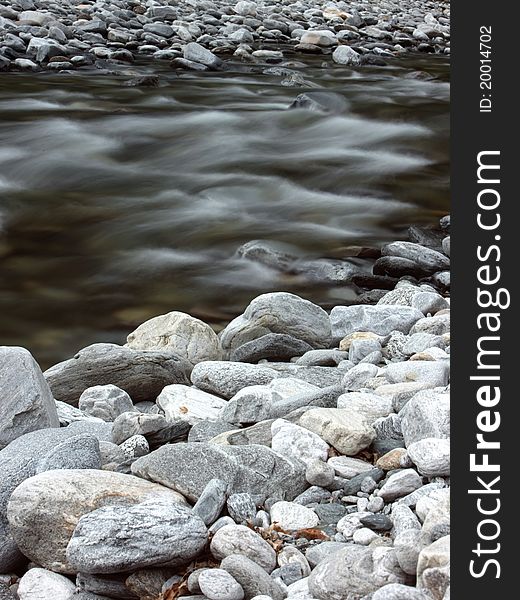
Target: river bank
299, 454
66, 36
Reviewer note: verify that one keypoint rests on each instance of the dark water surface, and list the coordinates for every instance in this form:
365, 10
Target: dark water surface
120, 203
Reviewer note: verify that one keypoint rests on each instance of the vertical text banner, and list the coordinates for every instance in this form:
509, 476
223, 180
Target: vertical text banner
485, 356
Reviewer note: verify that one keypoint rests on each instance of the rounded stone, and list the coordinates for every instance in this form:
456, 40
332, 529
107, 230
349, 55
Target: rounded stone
292, 516
217, 584
239, 539
179, 333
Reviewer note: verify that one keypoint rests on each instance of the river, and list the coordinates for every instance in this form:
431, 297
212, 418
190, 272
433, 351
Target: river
118, 203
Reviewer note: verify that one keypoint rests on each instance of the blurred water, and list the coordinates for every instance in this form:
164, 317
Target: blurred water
118, 203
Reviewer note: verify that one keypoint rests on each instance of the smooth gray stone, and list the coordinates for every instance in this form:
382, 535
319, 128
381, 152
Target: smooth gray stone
327, 397
196, 53
396, 266
115, 539
227, 378
272, 346
399, 591
26, 402
187, 468
142, 374
319, 376
212, 500
220, 585
253, 579
322, 358
279, 312
425, 258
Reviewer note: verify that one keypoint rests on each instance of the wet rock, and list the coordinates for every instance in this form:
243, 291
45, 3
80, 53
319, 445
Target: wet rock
196, 53
345, 55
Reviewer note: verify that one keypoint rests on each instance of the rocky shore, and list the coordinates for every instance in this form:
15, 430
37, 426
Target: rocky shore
298, 453
204, 35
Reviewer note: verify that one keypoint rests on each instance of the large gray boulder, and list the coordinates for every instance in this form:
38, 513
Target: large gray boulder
44, 510
255, 469
179, 333
30, 454
115, 539
26, 402
279, 312
140, 373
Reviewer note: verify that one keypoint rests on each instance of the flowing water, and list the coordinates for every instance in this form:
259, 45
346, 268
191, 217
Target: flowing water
119, 203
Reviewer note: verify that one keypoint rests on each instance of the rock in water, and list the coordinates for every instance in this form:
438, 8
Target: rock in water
115, 539
140, 373
279, 312
26, 402
179, 333
198, 54
345, 55
188, 468
44, 510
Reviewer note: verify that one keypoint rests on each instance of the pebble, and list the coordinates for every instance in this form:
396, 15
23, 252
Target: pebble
292, 516
400, 484
217, 584
239, 539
